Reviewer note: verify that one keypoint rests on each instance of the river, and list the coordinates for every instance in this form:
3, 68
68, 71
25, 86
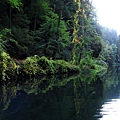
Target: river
76, 97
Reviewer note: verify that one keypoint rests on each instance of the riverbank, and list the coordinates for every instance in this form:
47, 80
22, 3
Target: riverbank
36, 65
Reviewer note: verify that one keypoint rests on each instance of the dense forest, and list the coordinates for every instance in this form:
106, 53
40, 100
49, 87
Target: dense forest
54, 37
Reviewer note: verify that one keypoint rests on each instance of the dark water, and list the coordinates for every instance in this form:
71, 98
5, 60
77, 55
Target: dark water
77, 97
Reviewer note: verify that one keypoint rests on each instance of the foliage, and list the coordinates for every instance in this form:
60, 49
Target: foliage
7, 65
41, 65
46, 36
3, 36
93, 66
38, 65
11, 45
110, 46
65, 67
51, 38
85, 35
46, 65
15, 3
30, 65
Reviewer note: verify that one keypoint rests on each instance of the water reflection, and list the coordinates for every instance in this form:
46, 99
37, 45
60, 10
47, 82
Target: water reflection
110, 108
76, 97
50, 98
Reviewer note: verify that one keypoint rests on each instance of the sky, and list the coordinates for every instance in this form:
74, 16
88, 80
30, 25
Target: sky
108, 13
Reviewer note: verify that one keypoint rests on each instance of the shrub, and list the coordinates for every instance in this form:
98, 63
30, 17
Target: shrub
7, 65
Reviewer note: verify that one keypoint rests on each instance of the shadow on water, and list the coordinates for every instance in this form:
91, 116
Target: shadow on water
76, 97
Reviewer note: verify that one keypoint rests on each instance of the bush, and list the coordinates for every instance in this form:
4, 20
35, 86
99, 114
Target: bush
65, 67
7, 65
42, 65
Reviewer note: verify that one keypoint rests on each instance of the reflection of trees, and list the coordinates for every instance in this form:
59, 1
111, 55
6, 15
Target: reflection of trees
111, 86
7, 92
78, 95
111, 79
66, 97
30, 85
87, 91
111, 82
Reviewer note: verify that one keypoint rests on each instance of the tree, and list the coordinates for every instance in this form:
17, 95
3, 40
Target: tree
85, 35
110, 40
15, 3
47, 36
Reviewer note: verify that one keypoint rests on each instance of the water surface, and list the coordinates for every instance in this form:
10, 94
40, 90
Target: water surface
77, 97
